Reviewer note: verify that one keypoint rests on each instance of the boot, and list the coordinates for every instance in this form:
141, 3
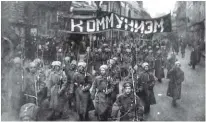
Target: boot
174, 103
147, 109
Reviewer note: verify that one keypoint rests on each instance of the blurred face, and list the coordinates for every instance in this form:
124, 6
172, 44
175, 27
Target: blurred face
42, 86
81, 69
56, 68
146, 68
110, 65
32, 69
178, 65
18, 65
103, 71
127, 90
72, 66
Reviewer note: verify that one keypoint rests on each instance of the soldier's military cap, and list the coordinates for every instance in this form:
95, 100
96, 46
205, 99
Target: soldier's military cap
118, 49
67, 58
127, 45
56, 63
107, 49
115, 58
145, 64
83, 64
128, 50
135, 67
17, 60
88, 49
105, 44
60, 50
32, 64
74, 62
177, 62
127, 84
111, 61
37, 60
105, 67
100, 50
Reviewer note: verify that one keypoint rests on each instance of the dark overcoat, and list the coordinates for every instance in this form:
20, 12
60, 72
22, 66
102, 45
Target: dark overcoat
57, 86
159, 71
82, 93
146, 84
126, 105
193, 57
101, 92
176, 77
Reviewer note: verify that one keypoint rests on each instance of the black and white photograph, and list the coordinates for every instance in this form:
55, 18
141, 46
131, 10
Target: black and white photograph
103, 60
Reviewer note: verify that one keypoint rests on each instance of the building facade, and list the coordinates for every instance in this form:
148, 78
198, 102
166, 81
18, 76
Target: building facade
27, 23
190, 20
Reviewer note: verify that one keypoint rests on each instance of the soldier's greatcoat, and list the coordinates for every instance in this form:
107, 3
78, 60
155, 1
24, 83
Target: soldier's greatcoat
82, 93
114, 72
56, 87
194, 57
171, 62
176, 76
159, 71
126, 104
103, 88
146, 93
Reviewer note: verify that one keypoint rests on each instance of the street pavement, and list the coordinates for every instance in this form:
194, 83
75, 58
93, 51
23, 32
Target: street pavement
191, 106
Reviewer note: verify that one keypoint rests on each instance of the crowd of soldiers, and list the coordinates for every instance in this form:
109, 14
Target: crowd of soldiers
108, 79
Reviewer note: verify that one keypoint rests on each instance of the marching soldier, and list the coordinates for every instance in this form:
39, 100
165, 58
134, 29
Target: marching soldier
127, 59
67, 61
164, 55
82, 83
70, 76
40, 70
193, 57
101, 92
99, 58
114, 73
105, 55
59, 55
158, 67
176, 76
125, 103
171, 61
150, 59
35, 86
145, 87
56, 90
66, 65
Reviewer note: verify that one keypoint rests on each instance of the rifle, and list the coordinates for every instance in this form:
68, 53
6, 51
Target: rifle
134, 92
36, 90
85, 74
22, 71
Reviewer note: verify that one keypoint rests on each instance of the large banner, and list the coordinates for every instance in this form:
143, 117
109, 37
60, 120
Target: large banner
115, 21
